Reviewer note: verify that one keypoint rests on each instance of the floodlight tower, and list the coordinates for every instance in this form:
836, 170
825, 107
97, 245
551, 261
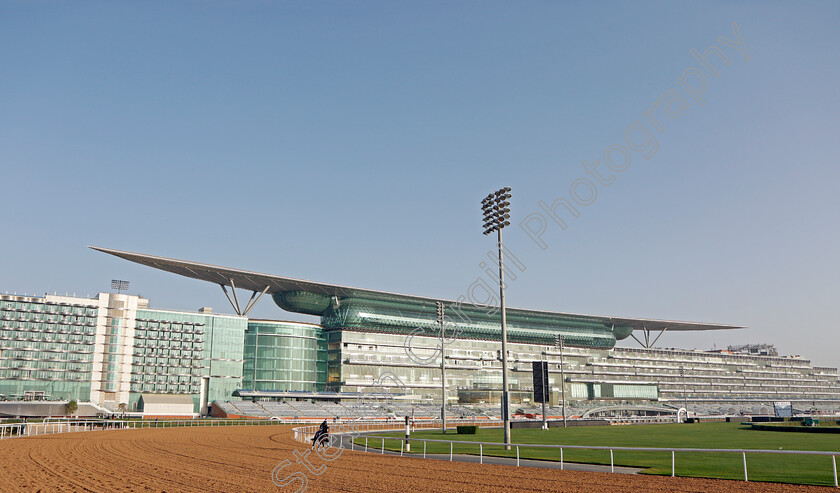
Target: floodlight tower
119, 285
559, 341
496, 208
440, 320
685, 391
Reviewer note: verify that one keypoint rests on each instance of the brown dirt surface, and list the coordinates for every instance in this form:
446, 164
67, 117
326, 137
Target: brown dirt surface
232, 459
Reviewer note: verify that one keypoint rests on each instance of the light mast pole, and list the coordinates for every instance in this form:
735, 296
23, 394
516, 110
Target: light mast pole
496, 208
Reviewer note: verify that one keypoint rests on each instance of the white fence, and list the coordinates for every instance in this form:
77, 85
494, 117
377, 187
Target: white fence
305, 434
70, 426
63, 425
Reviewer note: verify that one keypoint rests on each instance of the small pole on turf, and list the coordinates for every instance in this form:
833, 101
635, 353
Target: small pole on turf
407, 434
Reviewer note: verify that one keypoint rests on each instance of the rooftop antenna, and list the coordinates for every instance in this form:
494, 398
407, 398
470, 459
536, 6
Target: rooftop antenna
119, 285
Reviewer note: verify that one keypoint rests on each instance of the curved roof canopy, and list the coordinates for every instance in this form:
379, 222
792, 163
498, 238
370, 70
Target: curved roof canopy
269, 283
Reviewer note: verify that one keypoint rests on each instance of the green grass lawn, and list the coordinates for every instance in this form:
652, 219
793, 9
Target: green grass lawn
798, 469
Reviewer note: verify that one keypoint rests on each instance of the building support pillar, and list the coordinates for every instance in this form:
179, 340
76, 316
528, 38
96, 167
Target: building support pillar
234, 301
648, 344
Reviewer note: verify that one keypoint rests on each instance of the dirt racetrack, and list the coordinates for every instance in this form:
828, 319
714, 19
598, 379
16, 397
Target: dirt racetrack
232, 459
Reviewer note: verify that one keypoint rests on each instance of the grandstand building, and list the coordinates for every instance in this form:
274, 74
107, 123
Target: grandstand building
110, 350
386, 346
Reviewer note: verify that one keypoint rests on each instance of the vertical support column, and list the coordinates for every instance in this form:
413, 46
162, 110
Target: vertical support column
441, 321
672, 464
746, 478
407, 435
505, 388
563, 380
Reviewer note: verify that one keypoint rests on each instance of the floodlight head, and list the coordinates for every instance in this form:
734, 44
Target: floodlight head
496, 208
119, 285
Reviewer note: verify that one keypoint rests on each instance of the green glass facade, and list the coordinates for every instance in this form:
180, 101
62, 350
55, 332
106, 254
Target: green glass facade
468, 322
46, 348
225, 353
111, 349
175, 351
285, 356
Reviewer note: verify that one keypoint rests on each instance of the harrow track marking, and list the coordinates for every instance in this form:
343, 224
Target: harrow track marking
172, 475
184, 464
52, 470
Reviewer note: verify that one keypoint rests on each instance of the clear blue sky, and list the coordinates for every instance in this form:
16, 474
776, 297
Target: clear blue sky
351, 143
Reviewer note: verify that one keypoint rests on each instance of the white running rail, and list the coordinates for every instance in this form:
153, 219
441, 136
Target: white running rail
305, 433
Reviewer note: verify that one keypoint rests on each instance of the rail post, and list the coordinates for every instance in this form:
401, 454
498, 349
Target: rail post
561, 458
481, 453
382, 452
424, 449
612, 463
834, 465
407, 435
366, 444
402, 446
451, 443
744, 454
672, 463
517, 456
